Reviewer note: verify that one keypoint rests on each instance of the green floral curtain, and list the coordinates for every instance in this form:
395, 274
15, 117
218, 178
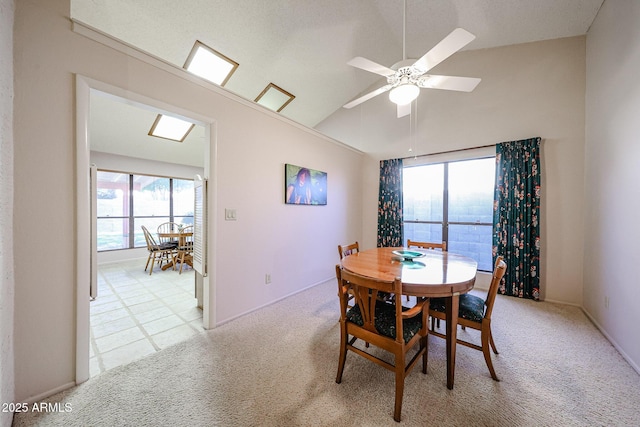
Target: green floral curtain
516, 216
390, 204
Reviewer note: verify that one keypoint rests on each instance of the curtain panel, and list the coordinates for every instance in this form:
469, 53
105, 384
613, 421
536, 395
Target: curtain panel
390, 204
516, 216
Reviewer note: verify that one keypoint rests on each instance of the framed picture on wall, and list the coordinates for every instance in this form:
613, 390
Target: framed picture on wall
304, 186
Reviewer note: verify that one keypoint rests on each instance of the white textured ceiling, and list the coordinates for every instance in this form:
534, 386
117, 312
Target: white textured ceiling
122, 128
303, 45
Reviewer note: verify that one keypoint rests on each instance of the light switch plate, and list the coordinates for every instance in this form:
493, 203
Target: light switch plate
230, 215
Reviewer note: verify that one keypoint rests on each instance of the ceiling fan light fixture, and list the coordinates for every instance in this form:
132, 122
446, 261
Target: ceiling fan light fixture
404, 94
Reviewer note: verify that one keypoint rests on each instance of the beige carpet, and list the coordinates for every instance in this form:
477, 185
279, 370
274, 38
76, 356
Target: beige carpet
277, 367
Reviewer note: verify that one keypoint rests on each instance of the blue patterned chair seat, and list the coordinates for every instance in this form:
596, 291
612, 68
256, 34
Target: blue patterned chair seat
471, 307
385, 321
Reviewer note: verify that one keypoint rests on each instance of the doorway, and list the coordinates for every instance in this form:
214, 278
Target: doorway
138, 307
87, 91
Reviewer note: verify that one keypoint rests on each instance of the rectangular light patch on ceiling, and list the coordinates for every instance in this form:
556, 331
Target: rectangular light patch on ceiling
172, 128
210, 64
274, 98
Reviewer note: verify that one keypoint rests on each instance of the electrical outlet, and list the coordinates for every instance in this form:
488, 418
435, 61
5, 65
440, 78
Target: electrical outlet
267, 278
606, 301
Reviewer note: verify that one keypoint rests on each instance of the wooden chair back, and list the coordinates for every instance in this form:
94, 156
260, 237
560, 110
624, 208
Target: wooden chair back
381, 324
498, 273
188, 238
345, 250
151, 242
168, 227
427, 245
365, 291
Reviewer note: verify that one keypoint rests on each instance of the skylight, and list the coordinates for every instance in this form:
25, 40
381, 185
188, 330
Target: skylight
209, 64
168, 127
274, 97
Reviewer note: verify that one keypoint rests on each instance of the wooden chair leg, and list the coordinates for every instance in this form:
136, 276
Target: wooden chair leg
397, 413
153, 261
343, 352
181, 261
425, 357
147, 264
493, 344
485, 337
174, 257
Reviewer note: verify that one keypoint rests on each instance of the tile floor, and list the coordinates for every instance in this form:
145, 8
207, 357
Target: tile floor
136, 314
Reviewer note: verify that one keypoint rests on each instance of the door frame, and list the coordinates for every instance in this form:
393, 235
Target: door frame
84, 88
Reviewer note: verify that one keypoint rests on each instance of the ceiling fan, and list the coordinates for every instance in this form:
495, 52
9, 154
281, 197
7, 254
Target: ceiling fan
407, 77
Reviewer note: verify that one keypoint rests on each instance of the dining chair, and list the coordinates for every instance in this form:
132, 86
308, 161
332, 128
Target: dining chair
475, 313
387, 326
166, 228
426, 245
345, 250
185, 247
160, 251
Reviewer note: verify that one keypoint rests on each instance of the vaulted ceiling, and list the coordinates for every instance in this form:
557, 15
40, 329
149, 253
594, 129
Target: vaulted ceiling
303, 46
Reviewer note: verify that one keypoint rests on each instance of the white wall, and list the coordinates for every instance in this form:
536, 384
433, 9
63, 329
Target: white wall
527, 90
120, 163
295, 244
612, 181
7, 285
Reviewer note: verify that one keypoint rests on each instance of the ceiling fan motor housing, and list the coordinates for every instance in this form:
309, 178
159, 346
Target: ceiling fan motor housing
404, 75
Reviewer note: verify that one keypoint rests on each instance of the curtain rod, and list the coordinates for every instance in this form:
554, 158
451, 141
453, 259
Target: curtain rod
450, 151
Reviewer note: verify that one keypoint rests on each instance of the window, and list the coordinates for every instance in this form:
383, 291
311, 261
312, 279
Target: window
452, 202
126, 201
113, 210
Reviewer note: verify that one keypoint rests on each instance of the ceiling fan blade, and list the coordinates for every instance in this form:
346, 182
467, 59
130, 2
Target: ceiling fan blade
404, 110
455, 41
462, 84
372, 67
368, 96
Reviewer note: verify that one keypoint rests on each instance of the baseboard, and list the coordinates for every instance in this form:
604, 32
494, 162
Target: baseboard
602, 331
273, 302
553, 301
612, 341
42, 396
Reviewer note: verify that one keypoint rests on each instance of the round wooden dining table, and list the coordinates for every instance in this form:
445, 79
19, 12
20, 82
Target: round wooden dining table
429, 274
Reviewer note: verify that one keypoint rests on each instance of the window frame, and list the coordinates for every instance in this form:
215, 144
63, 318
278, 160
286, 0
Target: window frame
131, 218
445, 223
